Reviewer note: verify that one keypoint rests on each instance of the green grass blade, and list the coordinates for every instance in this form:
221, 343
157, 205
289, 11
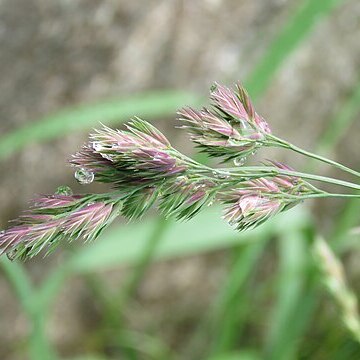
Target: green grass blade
340, 124
292, 273
232, 308
20, 283
238, 355
84, 117
294, 31
39, 347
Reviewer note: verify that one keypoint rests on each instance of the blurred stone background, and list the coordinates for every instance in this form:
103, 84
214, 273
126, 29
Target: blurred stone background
59, 53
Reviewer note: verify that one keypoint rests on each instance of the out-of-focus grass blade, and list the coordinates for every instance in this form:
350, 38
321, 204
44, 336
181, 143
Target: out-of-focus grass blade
20, 283
88, 357
232, 308
84, 117
39, 346
340, 124
292, 274
348, 218
335, 131
238, 355
205, 233
294, 31
333, 277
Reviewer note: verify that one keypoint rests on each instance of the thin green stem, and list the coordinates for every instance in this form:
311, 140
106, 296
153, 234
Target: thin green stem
326, 194
282, 143
246, 171
269, 171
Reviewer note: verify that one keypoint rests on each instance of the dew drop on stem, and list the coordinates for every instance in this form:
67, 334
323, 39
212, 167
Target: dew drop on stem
11, 255
64, 190
213, 88
239, 161
96, 146
221, 174
84, 177
106, 156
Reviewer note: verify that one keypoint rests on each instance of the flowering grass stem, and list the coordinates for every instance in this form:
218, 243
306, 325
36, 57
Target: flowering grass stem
272, 171
287, 145
145, 170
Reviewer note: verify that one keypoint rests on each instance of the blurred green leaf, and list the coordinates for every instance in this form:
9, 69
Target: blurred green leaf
206, 233
84, 117
230, 312
20, 283
238, 355
88, 357
39, 346
292, 273
341, 122
293, 32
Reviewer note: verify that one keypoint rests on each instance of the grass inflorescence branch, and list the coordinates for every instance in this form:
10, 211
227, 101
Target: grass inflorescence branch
144, 170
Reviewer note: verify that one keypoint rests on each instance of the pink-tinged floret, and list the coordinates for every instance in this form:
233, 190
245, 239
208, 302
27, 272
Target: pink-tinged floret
226, 100
85, 221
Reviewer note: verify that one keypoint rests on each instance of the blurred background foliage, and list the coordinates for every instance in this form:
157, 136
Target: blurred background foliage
157, 289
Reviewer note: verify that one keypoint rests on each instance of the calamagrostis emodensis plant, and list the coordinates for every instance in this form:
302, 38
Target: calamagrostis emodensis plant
144, 170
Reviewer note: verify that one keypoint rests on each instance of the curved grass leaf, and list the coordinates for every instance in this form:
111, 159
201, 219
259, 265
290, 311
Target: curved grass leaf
206, 233
289, 38
84, 117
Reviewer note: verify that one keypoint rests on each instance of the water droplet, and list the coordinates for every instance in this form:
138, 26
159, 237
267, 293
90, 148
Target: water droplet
213, 87
210, 203
239, 161
11, 255
64, 190
2, 232
221, 174
107, 156
97, 146
246, 129
84, 177
182, 178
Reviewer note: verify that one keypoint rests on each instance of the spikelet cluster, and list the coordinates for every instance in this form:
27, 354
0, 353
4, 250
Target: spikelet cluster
145, 170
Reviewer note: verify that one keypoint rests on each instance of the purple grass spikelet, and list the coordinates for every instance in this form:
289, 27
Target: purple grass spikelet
87, 221
141, 154
230, 129
52, 218
257, 200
